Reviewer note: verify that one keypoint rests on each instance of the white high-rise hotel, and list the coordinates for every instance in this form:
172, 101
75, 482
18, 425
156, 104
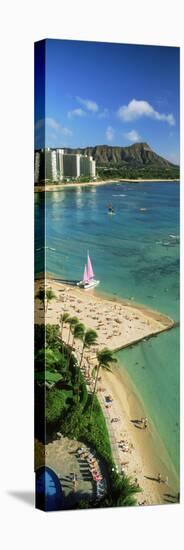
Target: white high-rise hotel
54, 165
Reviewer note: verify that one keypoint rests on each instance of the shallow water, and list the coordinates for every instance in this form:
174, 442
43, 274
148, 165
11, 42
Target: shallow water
135, 254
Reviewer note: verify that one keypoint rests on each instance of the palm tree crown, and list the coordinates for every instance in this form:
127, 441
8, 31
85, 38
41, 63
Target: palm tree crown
41, 295
49, 295
78, 331
71, 321
89, 340
105, 359
63, 319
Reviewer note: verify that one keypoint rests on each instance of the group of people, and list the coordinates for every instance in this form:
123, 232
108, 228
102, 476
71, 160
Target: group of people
115, 419
124, 445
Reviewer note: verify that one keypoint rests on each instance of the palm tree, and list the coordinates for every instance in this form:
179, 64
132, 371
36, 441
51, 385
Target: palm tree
78, 331
89, 340
49, 296
105, 358
125, 491
90, 337
41, 296
72, 321
63, 319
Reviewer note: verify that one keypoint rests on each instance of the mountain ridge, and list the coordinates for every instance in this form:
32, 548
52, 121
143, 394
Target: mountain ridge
135, 155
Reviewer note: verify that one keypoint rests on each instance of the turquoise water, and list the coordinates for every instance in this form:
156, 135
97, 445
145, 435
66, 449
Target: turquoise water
135, 254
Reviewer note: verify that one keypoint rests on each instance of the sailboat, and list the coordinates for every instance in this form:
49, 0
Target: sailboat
88, 282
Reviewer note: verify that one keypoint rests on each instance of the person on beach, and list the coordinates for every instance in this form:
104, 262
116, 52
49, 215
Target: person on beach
159, 478
136, 483
145, 423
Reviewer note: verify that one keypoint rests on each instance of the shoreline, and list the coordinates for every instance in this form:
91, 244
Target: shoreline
144, 456
119, 323
148, 454
73, 185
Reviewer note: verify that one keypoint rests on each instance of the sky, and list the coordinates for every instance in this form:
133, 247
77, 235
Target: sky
101, 93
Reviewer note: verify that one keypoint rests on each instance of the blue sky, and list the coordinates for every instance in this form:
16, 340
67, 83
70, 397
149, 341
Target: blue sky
112, 94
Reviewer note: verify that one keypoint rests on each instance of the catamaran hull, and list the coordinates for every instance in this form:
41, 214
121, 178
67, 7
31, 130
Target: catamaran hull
88, 286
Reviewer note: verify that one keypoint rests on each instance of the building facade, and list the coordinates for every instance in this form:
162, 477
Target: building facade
54, 165
59, 164
71, 165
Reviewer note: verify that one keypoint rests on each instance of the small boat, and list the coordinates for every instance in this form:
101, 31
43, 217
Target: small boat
111, 209
88, 282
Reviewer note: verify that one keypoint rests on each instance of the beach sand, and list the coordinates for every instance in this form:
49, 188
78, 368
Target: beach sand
118, 324
61, 186
147, 457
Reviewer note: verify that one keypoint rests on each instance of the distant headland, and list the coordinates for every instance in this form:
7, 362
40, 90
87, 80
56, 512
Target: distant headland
102, 164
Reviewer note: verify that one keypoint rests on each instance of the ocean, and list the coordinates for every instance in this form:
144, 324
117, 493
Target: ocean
135, 254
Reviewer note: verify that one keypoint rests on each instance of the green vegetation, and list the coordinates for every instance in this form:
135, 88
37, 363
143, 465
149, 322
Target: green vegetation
61, 389
63, 319
82, 179
56, 404
135, 172
105, 359
131, 162
45, 297
50, 377
51, 359
41, 296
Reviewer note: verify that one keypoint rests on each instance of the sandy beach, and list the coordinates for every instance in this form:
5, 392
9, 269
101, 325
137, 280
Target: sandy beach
146, 456
118, 325
61, 186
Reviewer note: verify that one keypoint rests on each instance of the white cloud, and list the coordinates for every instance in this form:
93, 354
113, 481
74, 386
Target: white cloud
109, 133
133, 136
49, 122
76, 113
137, 109
88, 104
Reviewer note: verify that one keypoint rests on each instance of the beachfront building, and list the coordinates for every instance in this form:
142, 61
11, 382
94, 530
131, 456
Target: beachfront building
87, 166
54, 165
36, 166
92, 168
50, 165
59, 164
45, 166
71, 165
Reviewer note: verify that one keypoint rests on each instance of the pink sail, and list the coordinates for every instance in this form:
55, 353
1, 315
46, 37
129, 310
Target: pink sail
85, 276
90, 269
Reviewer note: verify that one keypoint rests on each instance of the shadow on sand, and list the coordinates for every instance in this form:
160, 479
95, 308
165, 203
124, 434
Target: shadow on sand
138, 424
172, 499
152, 478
